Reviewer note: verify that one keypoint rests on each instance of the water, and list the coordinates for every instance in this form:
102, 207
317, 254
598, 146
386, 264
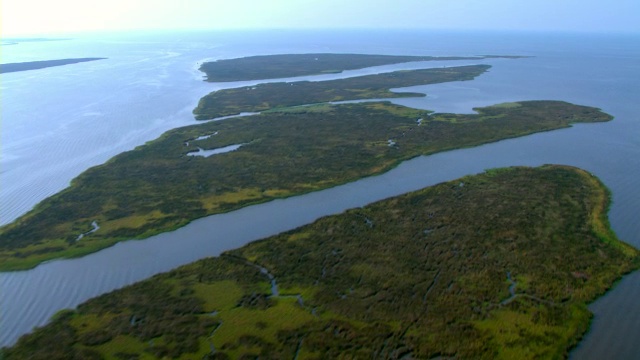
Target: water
206, 153
149, 84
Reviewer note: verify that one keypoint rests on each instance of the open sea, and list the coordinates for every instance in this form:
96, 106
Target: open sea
57, 122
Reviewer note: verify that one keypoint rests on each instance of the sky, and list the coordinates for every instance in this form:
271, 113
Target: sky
50, 17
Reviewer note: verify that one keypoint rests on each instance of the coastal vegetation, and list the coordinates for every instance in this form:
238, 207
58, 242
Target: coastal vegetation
34, 65
499, 265
158, 187
262, 97
290, 65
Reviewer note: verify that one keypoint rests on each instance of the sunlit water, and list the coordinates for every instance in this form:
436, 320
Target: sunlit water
57, 122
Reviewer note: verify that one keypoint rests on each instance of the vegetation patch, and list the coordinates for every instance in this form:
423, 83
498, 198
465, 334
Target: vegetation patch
501, 267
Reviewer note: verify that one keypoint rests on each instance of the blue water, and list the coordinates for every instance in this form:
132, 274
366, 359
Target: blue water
57, 122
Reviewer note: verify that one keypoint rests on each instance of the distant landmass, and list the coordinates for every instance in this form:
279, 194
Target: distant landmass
15, 41
34, 65
290, 65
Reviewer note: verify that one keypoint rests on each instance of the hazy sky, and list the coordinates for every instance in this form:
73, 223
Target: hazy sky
45, 17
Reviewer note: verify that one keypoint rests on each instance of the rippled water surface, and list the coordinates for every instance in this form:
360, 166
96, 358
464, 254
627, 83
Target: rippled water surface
59, 121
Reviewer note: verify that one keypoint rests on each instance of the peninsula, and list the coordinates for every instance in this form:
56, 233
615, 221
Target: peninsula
499, 265
284, 94
34, 65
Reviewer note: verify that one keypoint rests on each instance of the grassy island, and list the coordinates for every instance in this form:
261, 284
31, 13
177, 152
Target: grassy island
160, 186
277, 95
291, 65
34, 65
499, 265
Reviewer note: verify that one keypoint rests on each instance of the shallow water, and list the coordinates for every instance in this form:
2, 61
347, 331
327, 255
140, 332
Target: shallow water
157, 86
206, 153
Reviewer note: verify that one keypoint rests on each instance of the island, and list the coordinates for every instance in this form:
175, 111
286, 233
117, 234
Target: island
160, 186
290, 65
34, 65
499, 265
